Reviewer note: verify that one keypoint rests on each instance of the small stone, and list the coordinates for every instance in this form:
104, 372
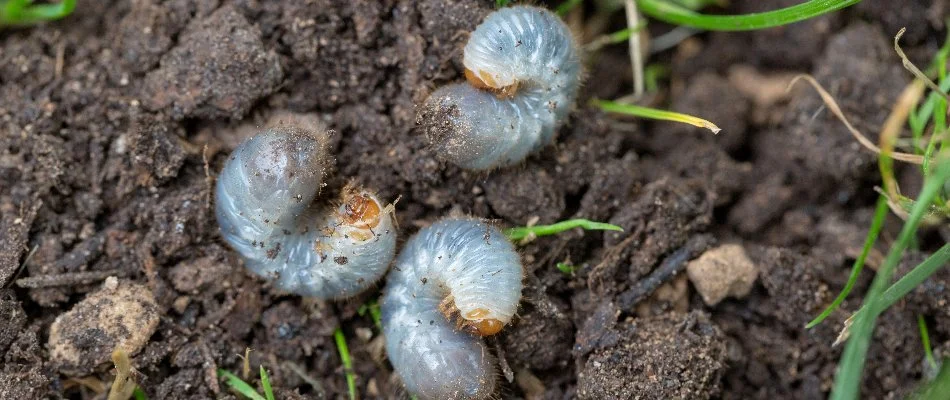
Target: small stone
111, 283
84, 337
723, 271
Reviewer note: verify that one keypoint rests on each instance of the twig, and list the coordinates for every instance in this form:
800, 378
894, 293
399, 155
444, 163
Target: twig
671, 265
67, 279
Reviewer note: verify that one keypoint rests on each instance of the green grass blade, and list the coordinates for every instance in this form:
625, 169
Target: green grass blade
515, 234
880, 213
914, 278
372, 308
652, 113
23, 12
926, 110
347, 362
49, 12
671, 13
652, 75
139, 394
243, 388
265, 384
925, 341
938, 388
698, 4
566, 268
848, 377
501, 3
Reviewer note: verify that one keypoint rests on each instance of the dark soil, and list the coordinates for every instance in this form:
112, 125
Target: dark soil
114, 122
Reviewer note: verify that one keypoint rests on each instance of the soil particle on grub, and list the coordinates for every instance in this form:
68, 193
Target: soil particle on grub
121, 316
672, 356
722, 271
218, 69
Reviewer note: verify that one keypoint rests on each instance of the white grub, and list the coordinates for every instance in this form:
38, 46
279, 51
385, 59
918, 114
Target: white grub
455, 281
523, 71
264, 206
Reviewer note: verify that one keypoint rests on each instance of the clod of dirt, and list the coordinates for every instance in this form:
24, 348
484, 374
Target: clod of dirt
148, 30
794, 278
610, 188
706, 161
723, 271
123, 316
859, 68
519, 195
12, 319
207, 275
665, 214
764, 203
673, 356
711, 97
540, 339
219, 69
155, 148
14, 228
918, 16
23, 383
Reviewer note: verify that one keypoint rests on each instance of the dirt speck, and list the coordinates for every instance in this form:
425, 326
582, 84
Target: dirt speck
86, 335
724, 271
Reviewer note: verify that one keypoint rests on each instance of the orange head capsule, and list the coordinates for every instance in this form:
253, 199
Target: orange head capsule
360, 211
477, 324
484, 81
